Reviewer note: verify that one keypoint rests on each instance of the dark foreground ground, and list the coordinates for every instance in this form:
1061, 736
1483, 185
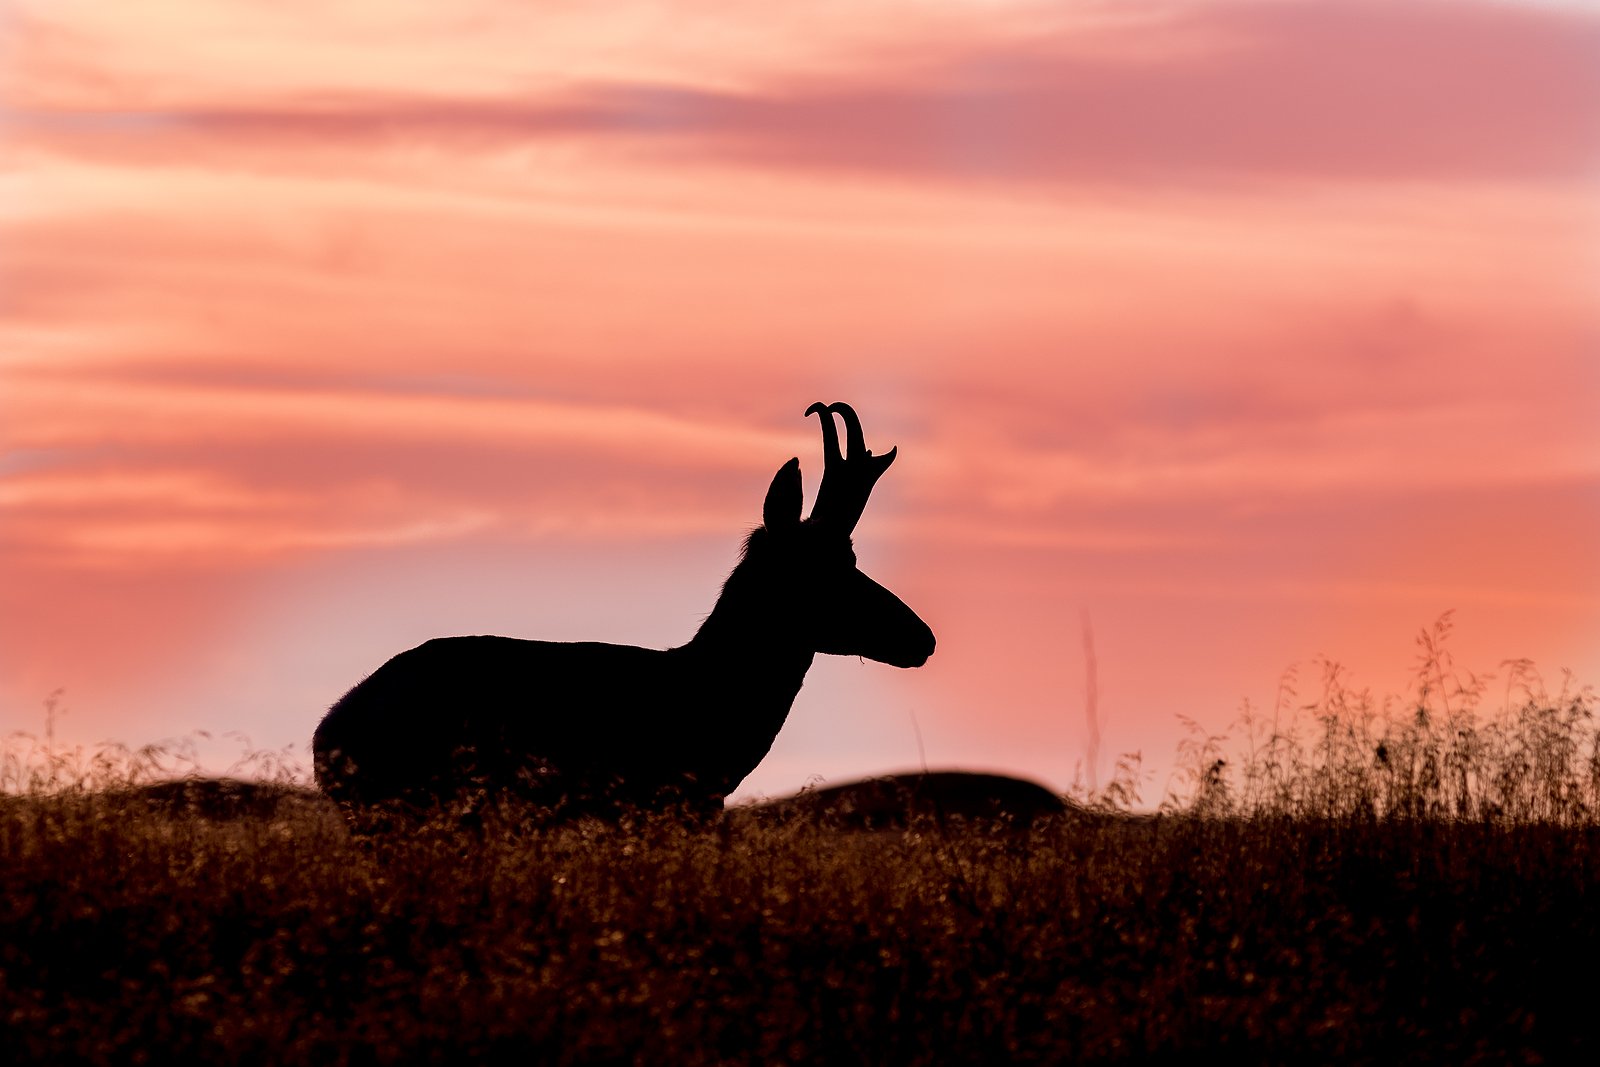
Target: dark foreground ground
139, 933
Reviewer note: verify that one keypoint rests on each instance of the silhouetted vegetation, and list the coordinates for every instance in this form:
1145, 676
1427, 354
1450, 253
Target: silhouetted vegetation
1363, 884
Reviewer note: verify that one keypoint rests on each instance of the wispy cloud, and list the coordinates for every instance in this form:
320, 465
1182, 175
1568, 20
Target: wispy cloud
134, 471
1357, 90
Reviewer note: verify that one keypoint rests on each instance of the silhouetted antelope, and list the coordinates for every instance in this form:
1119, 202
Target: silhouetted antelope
579, 727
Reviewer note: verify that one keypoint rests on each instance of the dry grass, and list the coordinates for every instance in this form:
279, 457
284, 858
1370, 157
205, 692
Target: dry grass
1307, 900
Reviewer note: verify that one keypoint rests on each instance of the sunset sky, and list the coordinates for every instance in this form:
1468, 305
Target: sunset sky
1249, 332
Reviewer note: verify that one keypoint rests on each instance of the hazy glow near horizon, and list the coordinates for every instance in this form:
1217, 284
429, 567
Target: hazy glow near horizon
1254, 330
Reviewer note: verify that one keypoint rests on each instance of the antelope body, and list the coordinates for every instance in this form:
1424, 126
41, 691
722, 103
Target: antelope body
591, 727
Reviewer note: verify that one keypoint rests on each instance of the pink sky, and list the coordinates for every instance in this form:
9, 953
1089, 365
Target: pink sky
1257, 331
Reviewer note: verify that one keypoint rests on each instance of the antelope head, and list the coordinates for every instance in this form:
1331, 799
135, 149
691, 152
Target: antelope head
837, 609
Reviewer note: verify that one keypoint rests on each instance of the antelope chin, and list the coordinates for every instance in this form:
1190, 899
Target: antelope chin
906, 656
915, 659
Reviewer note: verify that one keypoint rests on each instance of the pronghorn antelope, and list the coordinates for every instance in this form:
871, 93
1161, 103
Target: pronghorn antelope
591, 727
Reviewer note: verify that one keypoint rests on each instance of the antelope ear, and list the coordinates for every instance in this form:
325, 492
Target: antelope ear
783, 498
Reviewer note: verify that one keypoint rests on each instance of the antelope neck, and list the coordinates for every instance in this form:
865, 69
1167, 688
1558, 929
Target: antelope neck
738, 640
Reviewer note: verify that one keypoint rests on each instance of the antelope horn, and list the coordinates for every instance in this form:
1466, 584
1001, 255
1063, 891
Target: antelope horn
856, 445
830, 435
848, 477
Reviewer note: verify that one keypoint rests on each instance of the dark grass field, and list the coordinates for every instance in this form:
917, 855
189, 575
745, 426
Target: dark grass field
132, 933
1419, 885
